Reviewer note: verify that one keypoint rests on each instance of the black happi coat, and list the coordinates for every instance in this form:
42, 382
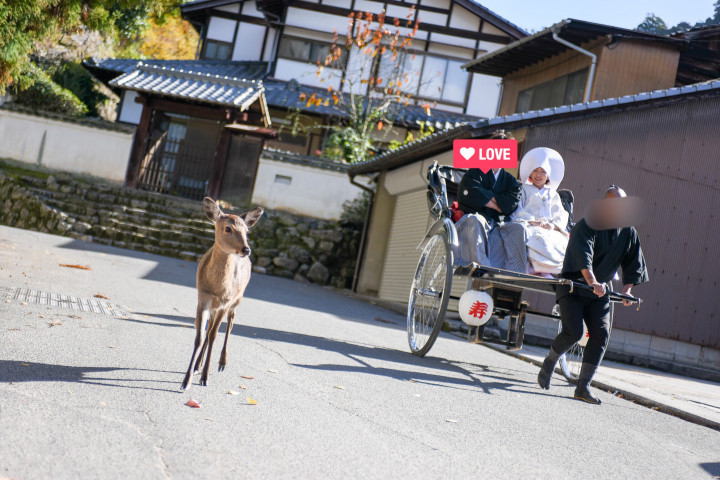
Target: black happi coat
477, 188
603, 252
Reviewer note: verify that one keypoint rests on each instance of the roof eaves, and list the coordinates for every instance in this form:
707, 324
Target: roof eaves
419, 148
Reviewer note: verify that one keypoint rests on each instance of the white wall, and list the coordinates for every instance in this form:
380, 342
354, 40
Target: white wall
221, 29
311, 191
130, 110
64, 146
484, 95
249, 43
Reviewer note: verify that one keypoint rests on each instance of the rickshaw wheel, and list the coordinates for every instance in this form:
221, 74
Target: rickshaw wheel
429, 294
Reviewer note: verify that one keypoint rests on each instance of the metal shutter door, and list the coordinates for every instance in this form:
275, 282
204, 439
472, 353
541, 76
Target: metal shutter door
409, 225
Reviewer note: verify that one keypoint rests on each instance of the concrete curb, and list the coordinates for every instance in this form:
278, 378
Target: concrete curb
625, 394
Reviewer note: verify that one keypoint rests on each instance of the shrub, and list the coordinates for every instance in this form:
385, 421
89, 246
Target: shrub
41, 93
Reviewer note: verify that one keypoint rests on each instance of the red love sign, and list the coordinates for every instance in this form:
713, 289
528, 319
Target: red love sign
485, 154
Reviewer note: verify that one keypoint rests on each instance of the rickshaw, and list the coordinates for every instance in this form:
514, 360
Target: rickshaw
431, 287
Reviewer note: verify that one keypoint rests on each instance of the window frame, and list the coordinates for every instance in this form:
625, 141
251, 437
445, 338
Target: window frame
530, 91
341, 63
218, 43
447, 59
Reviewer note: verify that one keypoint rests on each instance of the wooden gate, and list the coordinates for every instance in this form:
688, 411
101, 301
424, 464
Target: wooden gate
179, 155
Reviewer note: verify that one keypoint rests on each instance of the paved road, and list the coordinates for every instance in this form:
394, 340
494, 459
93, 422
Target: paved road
338, 395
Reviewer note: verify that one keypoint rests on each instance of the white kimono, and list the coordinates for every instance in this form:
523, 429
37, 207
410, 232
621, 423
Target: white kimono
546, 248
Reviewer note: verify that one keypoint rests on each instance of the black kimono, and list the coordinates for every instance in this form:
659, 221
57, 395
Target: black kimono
602, 252
477, 188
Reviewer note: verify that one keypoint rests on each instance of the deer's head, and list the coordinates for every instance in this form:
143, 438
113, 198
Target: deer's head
231, 230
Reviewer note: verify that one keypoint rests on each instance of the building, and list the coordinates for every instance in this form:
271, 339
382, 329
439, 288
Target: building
656, 145
203, 123
575, 61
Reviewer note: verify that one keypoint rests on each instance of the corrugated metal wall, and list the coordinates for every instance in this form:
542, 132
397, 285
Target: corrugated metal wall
669, 156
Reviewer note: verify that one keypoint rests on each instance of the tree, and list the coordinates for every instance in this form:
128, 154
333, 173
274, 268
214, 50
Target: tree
369, 74
175, 39
25, 22
653, 24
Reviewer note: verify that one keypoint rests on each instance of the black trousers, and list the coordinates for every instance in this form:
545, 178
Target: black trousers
596, 313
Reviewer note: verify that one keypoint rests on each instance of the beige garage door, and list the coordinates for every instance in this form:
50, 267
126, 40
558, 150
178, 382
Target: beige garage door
409, 225
411, 221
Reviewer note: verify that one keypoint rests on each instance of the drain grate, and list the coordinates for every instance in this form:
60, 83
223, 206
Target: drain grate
63, 301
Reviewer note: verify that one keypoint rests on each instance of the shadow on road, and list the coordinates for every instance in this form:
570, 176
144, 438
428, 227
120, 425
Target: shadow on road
444, 373
18, 371
712, 468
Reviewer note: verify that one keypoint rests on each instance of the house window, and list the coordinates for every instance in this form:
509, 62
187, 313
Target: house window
215, 50
309, 51
429, 77
565, 90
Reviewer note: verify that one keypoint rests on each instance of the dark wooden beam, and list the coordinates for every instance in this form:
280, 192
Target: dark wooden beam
221, 155
219, 112
138, 149
457, 32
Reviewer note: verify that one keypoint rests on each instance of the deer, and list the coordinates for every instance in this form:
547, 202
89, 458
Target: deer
223, 274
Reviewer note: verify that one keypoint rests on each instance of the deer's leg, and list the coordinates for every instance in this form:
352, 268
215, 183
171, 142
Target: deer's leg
223, 355
212, 333
201, 320
200, 357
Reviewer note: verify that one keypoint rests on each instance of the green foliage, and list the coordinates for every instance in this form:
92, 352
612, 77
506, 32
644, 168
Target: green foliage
655, 24
354, 211
73, 77
41, 93
424, 131
25, 22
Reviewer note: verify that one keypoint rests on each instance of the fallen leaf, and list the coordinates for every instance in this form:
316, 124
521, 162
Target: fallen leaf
243, 387
12, 329
69, 391
339, 387
192, 403
209, 419
8, 301
80, 267
25, 364
24, 303
272, 371
74, 316
251, 401
112, 346
100, 295
54, 323
233, 392
247, 377
450, 420
103, 404
42, 316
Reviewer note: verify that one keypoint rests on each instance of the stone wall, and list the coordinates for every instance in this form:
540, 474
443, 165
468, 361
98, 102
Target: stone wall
283, 244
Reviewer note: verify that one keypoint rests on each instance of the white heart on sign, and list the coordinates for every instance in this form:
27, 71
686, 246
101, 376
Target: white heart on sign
467, 152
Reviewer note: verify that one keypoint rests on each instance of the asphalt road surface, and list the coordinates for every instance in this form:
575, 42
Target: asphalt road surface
95, 394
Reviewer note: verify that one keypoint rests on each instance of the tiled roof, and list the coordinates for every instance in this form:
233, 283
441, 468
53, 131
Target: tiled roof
283, 94
442, 141
307, 160
181, 83
278, 93
244, 70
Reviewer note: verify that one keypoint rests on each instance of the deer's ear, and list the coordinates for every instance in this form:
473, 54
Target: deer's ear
212, 210
252, 216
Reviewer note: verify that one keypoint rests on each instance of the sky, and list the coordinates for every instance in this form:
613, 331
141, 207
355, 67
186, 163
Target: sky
535, 15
